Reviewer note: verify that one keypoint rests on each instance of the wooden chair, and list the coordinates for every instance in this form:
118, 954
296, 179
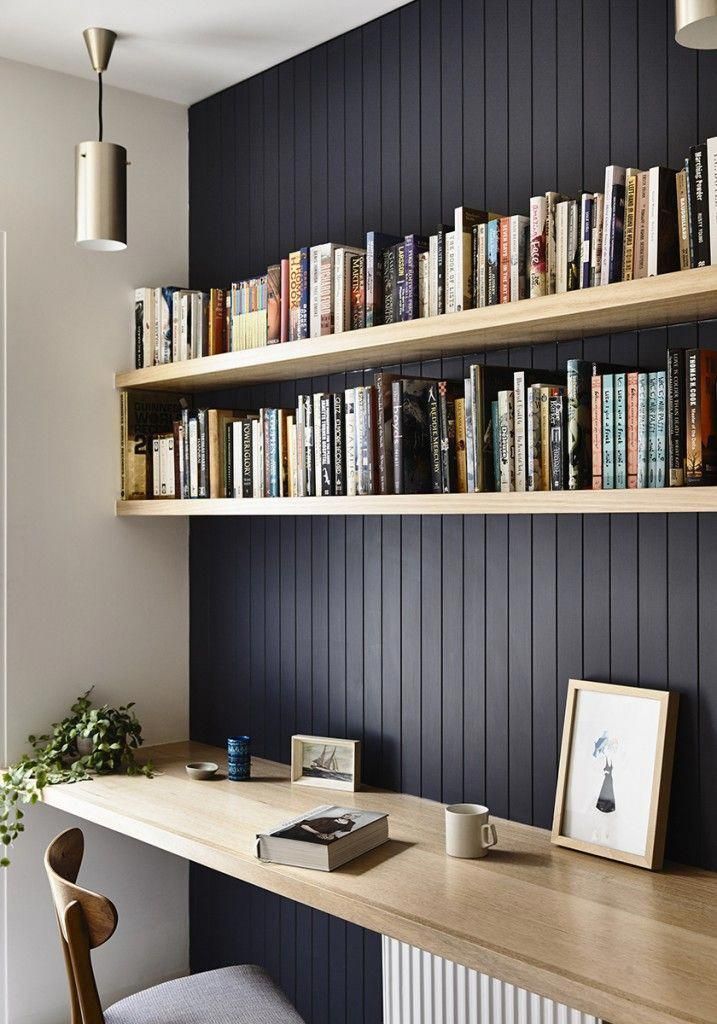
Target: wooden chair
232, 995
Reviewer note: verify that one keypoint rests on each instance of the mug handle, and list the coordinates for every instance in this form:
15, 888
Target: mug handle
488, 833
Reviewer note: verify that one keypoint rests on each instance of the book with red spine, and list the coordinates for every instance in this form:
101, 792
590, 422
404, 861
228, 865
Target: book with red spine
504, 259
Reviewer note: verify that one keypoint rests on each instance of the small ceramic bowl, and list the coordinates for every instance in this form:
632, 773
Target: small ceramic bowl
201, 769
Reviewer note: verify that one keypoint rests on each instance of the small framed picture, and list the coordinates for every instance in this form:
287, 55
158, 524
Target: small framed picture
326, 762
615, 772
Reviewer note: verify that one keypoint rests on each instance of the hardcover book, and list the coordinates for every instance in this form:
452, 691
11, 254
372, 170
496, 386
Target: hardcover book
699, 209
632, 428
411, 436
642, 429
413, 246
273, 304
587, 203
701, 427
551, 201
506, 440
466, 219
676, 416
620, 407
596, 420
376, 244
579, 377
299, 294
663, 250
324, 838
608, 431
640, 240
596, 240
556, 409
537, 247
613, 224
492, 262
143, 415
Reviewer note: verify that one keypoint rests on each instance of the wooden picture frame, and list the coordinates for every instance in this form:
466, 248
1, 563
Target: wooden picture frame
341, 767
649, 801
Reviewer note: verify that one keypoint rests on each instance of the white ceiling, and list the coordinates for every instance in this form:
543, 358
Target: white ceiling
181, 50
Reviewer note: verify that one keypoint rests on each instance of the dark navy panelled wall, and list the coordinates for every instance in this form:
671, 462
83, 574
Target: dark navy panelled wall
445, 644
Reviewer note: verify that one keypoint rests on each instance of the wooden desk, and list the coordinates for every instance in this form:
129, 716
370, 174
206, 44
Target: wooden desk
605, 938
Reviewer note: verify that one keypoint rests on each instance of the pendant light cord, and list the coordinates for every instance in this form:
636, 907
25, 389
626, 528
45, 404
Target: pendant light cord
99, 78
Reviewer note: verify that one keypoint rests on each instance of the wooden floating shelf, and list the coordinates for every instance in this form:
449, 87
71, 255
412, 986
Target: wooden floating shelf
667, 499
628, 305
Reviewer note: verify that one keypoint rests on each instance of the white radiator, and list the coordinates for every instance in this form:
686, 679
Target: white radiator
420, 988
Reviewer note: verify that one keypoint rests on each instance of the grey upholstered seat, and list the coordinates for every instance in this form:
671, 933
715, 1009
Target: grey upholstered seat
232, 995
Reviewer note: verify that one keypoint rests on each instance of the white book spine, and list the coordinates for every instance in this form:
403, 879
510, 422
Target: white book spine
300, 452
156, 332
350, 424
314, 291
519, 430
532, 434
506, 440
561, 247
433, 275
316, 399
596, 247
653, 219
423, 284
607, 224
470, 454
450, 271
166, 463
193, 459
156, 469
712, 195
537, 269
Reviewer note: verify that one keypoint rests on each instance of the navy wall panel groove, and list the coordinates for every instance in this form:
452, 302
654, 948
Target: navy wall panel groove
445, 644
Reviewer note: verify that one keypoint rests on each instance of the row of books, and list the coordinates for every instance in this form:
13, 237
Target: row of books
643, 223
501, 429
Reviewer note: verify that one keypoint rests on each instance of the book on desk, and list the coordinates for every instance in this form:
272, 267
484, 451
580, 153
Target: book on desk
324, 838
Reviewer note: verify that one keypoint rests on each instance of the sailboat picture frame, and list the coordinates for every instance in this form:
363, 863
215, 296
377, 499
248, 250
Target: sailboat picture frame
326, 762
615, 771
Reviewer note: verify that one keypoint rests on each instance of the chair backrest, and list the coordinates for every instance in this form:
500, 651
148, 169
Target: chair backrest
86, 920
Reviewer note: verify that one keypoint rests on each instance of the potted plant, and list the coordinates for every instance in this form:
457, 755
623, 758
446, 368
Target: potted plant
89, 741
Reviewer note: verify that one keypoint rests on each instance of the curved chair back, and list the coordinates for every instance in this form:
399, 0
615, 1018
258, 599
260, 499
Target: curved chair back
86, 920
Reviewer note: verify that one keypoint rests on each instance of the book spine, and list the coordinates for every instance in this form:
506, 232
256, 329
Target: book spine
521, 476
551, 201
561, 247
652, 428
385, 460
642, 429
578, 424
374, 282
544, 438
557, 448
586, 221
620, 400
433, 276
446, 427
389, 285
434, 428
495, 438
397, 431
470, 452
598, 216
653, 220
309, 427
450, 289
156, 473
481, 269
410, 274
139, 328
683, 223
661, 429
492, 262
532, 433
617, 215
506, 402
193, 460
339, 460
504, 255
676, 416
314, 291
247, 458
629, 243
461, 460
699, 211
608, 431
284, 302
326, 446
632, 428
711, 174
640, 241
368, 441
441, 268
573, 261
361, 442
358, 293
228, 460
341, 320
596, 432
519, 227
203, 442
479, 429
350, 440
474, 266
537, 247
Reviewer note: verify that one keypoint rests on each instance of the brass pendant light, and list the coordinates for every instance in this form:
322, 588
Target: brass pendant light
696, 24
100, 170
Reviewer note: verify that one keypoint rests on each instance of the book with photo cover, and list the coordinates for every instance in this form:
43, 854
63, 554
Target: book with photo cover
324, 838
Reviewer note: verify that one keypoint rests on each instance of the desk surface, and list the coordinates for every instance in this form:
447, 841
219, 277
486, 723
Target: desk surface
633, 946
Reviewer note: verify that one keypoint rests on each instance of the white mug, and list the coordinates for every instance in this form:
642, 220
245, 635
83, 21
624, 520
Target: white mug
468, 831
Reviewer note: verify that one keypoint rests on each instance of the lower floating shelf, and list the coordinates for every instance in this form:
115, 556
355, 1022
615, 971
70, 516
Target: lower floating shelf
667, 499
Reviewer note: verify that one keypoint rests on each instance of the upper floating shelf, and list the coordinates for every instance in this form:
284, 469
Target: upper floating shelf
628, 305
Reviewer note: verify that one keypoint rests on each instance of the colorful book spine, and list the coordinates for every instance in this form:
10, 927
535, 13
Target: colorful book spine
587, 202
537, 247
578, 423
414, 245
521, 475
532, 434
598, 216
701, 422
643, 416
557, 439
652, 430
506, 440
357, 305
596, 432
376, 244
699, 209
676, 416
608, 431
434, 432
493, 262
299, 294
620, 406
628, 249
495, 435
561, 247
640, 240
504, 257
632, 428
661, 430
683, 219
461, 457
470, 450
711, 176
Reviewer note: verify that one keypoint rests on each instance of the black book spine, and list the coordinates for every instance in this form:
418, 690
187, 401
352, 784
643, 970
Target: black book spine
339, 446
138, 334
676, 416
557, 442
699, 215
202, 444
434, 433
617, 230
474, 266
444, 418
247, 459
185, 444
326, 446
397, 430
229, 460
389, 285
441, 260
310, 479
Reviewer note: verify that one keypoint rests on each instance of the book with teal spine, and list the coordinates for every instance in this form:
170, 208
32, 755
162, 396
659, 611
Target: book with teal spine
642, 428
608, 431
620, 401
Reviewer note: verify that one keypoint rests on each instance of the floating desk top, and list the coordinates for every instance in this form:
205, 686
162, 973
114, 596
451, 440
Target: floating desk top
619, 942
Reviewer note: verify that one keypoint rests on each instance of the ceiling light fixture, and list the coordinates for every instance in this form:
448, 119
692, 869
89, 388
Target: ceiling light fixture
100, 170
696, 24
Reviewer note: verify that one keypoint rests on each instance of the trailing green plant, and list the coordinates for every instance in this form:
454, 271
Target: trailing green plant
112, 735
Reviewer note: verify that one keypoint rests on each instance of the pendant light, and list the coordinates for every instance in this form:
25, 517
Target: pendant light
696, 24
100, 170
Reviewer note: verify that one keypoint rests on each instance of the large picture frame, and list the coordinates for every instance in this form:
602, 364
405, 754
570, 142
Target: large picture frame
326, 762
615, 772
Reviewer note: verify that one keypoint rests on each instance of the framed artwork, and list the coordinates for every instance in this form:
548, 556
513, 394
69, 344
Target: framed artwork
325, 762
615, 772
